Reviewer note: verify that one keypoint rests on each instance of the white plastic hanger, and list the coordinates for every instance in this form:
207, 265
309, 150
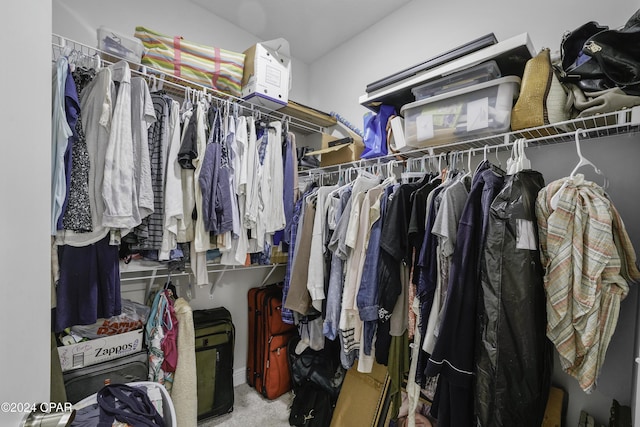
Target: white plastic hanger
513, 158
409, 174
523, 162
518, 160
438, 175
453, 164
152, 79
390, 169
160, 82
583, 161
468, 171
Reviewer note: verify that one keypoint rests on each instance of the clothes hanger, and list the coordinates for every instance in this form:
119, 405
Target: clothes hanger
408, 175
285, 124
160, 82
438, 175
513, 158
186, 102
170, 287
453, 165
498, 159
583, 161
522, 162
364, 173
468, 171
152, 81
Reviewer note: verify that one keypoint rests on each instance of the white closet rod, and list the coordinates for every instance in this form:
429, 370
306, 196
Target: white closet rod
392, 159
179, 85
187, 273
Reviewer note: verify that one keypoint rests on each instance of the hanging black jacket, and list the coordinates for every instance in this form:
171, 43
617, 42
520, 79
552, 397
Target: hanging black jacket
513, 354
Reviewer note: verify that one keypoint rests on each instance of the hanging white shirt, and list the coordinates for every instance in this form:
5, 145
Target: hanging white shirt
142, 117
118, 183
273, 180
316, 272
237, 253
252, 199
173, 208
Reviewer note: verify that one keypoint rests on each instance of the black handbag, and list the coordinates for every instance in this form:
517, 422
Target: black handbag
311, 407
597, 58
322, 368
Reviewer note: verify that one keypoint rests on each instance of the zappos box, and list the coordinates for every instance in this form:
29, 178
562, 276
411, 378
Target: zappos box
98, 350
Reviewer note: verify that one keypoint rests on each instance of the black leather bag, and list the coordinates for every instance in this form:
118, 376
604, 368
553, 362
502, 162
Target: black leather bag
322, 368
597, 58
311, 407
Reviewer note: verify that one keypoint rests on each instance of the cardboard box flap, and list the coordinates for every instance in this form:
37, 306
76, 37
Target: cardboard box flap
329, 149
333, 150
278, 46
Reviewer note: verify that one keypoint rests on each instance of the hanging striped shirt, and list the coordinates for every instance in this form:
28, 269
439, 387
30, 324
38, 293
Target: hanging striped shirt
589, 262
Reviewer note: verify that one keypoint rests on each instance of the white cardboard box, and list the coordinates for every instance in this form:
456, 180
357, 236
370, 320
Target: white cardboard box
267, 74
90, 352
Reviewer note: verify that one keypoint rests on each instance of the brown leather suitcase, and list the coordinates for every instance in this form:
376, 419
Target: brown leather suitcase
267, 360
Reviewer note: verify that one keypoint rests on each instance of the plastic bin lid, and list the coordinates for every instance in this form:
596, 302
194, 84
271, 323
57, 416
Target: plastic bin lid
462, 91
479, 73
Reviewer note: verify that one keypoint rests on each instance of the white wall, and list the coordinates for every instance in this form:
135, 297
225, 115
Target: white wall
79, 19
423, 29
25, 192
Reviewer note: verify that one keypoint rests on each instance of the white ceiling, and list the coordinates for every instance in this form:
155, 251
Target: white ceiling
312, 27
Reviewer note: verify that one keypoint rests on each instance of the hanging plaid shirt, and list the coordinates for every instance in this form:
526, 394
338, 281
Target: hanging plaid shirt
588, 260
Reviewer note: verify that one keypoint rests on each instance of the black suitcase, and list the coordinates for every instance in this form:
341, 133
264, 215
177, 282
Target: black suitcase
215, 340
85, 381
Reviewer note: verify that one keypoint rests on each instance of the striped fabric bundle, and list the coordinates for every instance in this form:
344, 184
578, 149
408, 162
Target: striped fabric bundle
208, 66
589, 264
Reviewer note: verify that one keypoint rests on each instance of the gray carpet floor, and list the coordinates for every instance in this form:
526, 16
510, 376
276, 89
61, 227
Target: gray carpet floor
251, 409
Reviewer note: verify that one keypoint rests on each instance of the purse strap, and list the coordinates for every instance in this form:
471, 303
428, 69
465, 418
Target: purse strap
177, 57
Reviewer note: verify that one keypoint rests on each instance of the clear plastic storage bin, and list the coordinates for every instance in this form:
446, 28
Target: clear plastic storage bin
461, 79
477, 110
119, 46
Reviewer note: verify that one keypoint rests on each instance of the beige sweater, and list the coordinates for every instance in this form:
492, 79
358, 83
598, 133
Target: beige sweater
184, 393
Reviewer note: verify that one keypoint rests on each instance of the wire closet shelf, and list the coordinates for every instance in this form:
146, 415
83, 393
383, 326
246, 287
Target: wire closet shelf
625, 121
175, 86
